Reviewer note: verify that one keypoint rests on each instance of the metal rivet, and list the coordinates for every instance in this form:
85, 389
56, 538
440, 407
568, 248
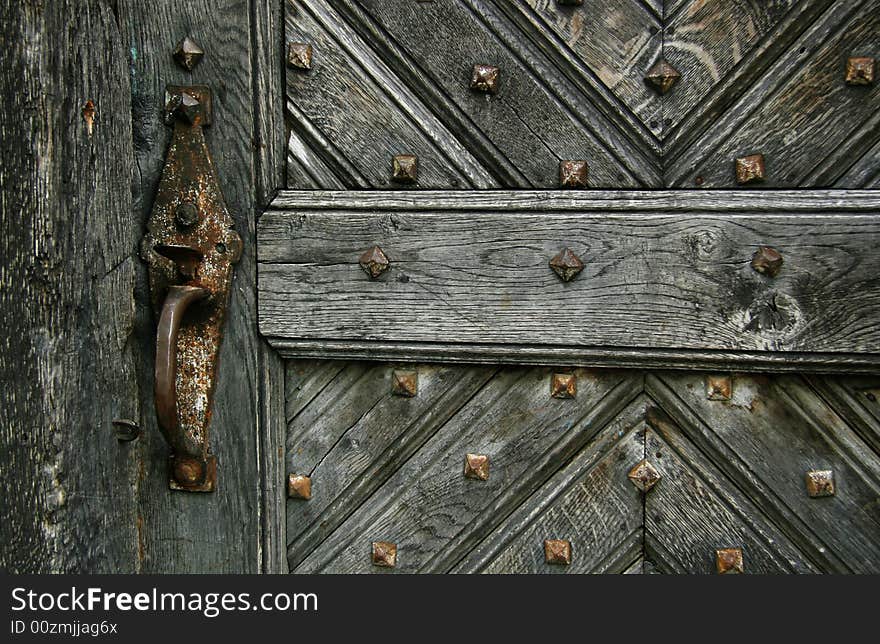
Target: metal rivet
644, 475
126, 430
719, 387
186, 215
750, 169
184, 107
384, 554
405, 383
557, 552
299, 55
485, 78
374, 262
573, 173
188, 53
563, 385
476, 466
299, 486
405, 168
729, 561
662, 76
566, 265
767, 261
859, 70
820, 483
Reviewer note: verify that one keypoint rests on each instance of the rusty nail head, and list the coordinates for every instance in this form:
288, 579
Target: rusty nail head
859, 70
485, 79
729, 561
299, 486
557, 552
374, 262
566, 265
563, 385
186, 214
188, 471
384, 554
750, 169
405, 168
820, 483
476, 466
126, 430
662, 76
405, 383
183, 106
767, 261
573, 173
644, 475
719, 387
299, 55
188, 53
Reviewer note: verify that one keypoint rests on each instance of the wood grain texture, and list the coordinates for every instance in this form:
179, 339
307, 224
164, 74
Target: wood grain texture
69, 488
652, 281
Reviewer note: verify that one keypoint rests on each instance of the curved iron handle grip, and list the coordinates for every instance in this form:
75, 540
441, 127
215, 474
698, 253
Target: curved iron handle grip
175, 306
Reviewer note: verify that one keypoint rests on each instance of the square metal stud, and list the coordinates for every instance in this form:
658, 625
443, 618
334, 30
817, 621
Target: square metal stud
405, 168
374, 262
644, 475
820, 483
299, 55
767, 261
476, 466
573, 173
563, 385
384, 554
299, 486
557, 552
484, 78
566, 264
729, 561
188, 53
719, 387
859, 70
405, 383
750, 169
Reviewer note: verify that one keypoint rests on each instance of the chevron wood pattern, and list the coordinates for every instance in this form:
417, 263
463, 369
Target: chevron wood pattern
391, 76
389, 468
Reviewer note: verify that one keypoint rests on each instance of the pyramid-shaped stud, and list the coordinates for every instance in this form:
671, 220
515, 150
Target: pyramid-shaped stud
476, 466
573, 173
767, 261
859, 70
484, 78
374, 262
563, 385
662, 76
299, 486
188, 53
299, 55
566, 265
729, 561
405, 168
750, 169
644, 475
820, 483
384, 554
405, 383
718, 387
557, 552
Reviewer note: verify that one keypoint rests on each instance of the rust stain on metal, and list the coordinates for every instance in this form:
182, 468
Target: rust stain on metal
750, 169
405, 168
859, 70
190, 270
384, 554
729, 561
820, 483
88, 114
188, 53
374, 262
566, 265
299, 55
405, 383
563, 385
644, 475
299, 486
476, 466
767, 261
484, 78
557, 552
719, 387
662, 76
573, 173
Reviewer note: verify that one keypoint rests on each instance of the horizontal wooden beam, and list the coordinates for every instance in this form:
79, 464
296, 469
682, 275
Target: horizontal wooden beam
667, 282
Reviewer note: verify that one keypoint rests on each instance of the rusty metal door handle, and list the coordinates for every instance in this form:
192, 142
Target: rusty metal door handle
190, 248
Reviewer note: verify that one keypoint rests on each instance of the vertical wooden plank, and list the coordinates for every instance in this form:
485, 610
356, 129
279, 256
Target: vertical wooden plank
68, 245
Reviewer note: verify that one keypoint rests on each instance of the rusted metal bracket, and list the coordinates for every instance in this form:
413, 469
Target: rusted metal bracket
190, 248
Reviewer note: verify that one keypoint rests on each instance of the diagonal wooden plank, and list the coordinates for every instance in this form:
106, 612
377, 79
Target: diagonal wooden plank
590, 502
855, 399
428, 503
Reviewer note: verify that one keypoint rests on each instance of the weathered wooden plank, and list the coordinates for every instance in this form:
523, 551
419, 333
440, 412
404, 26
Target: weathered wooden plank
855, 399
652, 281
67, 357
433, 512
590, 503
693, 510
766, 438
